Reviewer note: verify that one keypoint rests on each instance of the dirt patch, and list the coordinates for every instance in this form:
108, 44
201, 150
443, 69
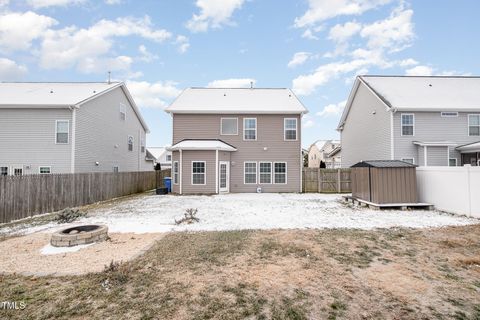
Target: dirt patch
23, 254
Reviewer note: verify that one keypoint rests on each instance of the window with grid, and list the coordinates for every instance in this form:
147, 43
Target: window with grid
452, 162
250, 172
123, 112
175, 172
44, 170
115, 169
229, 126
249, 129
198, 172
61, 131
474, 124
130, 143
407, 124
290, 129
3, 171
142, 145
280, 172
169, 157
265, 172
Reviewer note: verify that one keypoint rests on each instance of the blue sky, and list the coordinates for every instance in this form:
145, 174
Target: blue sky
315, 47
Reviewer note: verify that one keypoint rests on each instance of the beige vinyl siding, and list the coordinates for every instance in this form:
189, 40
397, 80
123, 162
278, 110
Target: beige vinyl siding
187, 158
101, 136
367, 131
27, 138
270, 135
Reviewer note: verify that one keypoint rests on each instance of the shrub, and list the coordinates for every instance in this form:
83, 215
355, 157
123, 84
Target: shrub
189, 217
69, 215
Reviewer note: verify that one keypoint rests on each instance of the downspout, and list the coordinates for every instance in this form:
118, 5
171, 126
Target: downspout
392, 135
369, 185
180, 171
72, 151
216, 171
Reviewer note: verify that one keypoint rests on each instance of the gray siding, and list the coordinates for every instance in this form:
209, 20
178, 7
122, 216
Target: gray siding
101, 136
431, 126
269, 135
27, 138
366, 135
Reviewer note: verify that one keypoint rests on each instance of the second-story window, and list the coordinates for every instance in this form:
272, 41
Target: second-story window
169, 157
61, 131
250, 129
130, 143
290, 129
408, 122
474, 124
229, 126
123, 112
142, 145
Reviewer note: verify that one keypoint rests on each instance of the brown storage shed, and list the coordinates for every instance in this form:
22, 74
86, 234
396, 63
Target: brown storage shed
384, 182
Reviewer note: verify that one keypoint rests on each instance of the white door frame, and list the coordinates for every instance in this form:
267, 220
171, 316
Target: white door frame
226, 189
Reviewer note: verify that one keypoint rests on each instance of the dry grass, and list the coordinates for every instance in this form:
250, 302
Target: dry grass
330, 274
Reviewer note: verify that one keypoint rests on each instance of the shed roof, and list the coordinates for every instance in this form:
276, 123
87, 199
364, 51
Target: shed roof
237, 100
192, 144
383, 164
471, 147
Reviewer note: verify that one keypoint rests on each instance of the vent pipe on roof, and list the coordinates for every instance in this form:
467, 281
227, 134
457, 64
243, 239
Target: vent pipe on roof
251, 84
109, 76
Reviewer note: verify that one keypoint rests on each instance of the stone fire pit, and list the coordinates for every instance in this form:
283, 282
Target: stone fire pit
75, 236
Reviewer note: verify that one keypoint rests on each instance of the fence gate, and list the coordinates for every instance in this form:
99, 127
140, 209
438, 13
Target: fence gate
326, 180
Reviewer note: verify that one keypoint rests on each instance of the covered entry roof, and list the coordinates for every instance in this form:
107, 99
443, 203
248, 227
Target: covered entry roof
192, 144
471, 147
383, 164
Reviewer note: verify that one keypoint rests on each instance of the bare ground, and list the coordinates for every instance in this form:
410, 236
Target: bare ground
309, 274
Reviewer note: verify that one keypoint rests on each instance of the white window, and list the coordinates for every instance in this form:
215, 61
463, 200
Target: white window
249, 129
409, 160
18, 171
175, 172
265, 172
474, 124
61, 131
45, 170
229, 126
123, 112
290, 129
115, 169
452, 162
169, 157
130, 143
408, 122
3, 171
198, 172
250, 173
142, 145
280, 173
448, 114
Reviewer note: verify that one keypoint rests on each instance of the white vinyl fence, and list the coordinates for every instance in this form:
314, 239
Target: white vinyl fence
451, 189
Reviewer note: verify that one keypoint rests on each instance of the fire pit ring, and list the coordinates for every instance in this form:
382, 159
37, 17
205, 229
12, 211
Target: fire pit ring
77, 235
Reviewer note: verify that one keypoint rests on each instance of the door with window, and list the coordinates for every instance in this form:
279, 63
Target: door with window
224, 176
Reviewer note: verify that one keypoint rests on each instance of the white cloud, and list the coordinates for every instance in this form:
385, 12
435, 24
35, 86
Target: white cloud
103, 65
113, 2
18, 30
308, 123
10, 70
419, 71
145, 55
52, 3
152, 95
321, 10
232, 83
298, 58
343, 32
408, 62
70, 47
183, 43
332, 109
213, 14
308, 34
4, 3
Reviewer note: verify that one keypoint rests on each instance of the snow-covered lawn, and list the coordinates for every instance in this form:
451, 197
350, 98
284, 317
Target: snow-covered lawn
151, 213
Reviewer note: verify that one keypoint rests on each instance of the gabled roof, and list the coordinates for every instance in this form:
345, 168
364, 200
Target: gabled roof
383, 164
192, 144
157, 152
237, 100
58, 95
421, 93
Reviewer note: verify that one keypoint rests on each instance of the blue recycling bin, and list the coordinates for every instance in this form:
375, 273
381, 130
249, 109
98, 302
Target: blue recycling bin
167, 182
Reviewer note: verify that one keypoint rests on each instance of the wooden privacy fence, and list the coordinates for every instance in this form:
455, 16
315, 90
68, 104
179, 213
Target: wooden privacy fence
326, 180
25, 196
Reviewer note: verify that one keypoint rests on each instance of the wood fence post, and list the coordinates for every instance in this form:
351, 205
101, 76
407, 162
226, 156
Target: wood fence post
339, 181
319, 180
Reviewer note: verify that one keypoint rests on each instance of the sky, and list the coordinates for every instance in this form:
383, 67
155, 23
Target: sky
159, 47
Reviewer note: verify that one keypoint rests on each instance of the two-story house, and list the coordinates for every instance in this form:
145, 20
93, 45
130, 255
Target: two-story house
326, 151
428, 121
236, 140
70, 128
161, 156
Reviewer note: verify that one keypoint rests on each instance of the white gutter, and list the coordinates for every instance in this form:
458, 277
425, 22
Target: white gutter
216, 171
180, 172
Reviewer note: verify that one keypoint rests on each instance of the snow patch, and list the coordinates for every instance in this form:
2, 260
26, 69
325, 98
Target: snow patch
49, 249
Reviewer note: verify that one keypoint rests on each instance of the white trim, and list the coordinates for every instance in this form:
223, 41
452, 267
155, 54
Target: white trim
175, 173
216, 171
74, 131
256, 131
227, 186
56, 131
12, 172
401, 124
256, 172
221, 126
49, 169
204, 173
425, 156
412, 158
285, 129
286, 172
260, 172
8, 170
123, 110
118, 168
449, 114
181, 171
468, 128
392, 136
456, 162
128, 143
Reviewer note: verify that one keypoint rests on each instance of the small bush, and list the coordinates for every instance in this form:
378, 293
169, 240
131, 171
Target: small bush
115, 273
189, 218
69, 215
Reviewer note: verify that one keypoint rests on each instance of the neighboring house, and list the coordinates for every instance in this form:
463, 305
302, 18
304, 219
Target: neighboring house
428, 121
160, 155
236, 140
327, 151
70, 128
